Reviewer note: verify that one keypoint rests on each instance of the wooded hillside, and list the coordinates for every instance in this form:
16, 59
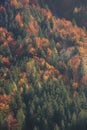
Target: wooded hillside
43, 65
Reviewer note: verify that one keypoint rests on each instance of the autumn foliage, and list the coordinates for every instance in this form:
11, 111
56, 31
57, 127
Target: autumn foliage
4, 103
43, 67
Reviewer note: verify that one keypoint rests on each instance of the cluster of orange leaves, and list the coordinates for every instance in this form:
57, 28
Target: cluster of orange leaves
18, 18
18, 4
12, 122
23, 81
42, 42
65, 30
3, 33
50, 72
5, 60
2, 8
8, 41
5, 36
75, 84
46, 13
33, 26
32, 51
46, 70
4, 103
49, 52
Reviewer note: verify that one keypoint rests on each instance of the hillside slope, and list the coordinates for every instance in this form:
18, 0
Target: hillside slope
42, 68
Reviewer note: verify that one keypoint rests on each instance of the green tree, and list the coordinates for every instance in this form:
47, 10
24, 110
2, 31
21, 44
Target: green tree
35, 128
81, 71
62, 124
74, 118
56, 127
21, 119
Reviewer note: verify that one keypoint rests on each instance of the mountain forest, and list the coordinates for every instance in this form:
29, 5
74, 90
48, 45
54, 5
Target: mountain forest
43, 64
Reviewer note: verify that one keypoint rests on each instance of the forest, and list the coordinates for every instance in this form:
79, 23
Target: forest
43, 65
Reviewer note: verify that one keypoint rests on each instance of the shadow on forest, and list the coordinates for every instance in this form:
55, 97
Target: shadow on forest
62, 8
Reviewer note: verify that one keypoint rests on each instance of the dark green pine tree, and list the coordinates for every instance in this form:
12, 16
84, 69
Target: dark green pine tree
81, 71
